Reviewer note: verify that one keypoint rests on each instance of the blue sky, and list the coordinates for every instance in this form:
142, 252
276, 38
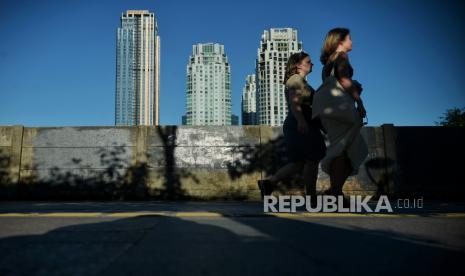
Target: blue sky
57, 58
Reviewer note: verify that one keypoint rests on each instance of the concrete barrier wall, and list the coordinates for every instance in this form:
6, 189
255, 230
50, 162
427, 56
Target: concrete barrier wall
194, 161
177, 162
10, 159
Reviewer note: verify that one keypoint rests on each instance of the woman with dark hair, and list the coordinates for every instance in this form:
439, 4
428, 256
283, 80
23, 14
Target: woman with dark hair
304, 141
334, 104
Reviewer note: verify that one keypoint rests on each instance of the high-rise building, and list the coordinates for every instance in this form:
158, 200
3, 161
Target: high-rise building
208, 97
137, 69
234, 120
249, 111
276, 46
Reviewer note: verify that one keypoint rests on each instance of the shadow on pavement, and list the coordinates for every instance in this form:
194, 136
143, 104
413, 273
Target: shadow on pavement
152, 245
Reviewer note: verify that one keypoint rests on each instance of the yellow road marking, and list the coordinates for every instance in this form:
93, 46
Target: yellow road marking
215, 214
16, 215
73, 215
134, 214
198, 214
455, 215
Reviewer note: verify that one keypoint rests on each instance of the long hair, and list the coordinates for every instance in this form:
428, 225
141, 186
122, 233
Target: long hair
332, 40
291, 67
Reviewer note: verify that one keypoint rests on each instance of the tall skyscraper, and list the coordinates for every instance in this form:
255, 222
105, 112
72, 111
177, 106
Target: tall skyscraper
208, 98
276, 46
249, 110
137, 69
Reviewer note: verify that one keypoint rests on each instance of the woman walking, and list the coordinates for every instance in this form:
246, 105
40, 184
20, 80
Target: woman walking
334, 103
304, 141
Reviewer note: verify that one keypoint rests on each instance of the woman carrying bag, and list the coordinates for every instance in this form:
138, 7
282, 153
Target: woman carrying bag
334, 104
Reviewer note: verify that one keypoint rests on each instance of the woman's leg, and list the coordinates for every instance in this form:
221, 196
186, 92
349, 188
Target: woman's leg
339, 172
348, 168
310, 177
267, 185
287, 171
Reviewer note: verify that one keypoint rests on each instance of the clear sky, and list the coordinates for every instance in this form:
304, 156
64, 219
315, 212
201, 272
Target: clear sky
57, 58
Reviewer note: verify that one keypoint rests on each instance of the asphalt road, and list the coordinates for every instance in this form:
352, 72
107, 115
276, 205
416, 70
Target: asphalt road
225, 238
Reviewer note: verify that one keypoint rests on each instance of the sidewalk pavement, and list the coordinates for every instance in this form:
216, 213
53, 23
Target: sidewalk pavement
226, 238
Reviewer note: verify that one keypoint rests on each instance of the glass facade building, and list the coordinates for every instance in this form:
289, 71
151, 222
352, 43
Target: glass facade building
249, 92
137, 69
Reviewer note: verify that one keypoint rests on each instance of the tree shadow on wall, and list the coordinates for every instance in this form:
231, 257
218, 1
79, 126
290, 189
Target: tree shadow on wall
6, 187
115, 179
266, 158
172, 175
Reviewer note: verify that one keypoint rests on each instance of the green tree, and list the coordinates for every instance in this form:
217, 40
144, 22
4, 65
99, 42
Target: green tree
454, 117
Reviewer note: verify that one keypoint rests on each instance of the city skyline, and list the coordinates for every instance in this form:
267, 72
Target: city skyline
66, 77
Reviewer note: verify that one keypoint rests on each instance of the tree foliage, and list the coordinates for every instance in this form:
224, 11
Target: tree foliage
454, 117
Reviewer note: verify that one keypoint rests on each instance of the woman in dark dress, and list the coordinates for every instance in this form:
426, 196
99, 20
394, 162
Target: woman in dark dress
345, 152
304, 141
